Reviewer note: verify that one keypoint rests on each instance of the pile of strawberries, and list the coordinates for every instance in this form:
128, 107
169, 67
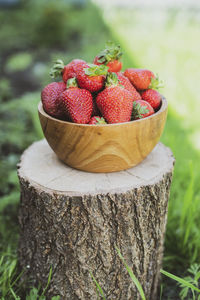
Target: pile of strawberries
100, 93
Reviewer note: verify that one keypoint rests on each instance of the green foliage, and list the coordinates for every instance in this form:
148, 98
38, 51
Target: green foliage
34, 295
10, 280
20, 127
39, 23
19, 122
8, 273
187, 233
54, 26
190, 284
19, 62
5, 89
50, 25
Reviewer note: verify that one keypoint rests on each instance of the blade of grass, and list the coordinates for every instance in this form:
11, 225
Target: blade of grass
161, 291
7, 272
180, 280
14, 295
48, 282
134, 279
98, 286
12, 268
16, 280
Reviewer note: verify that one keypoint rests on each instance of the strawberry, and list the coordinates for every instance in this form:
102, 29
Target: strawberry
96, 120
50, 96
92, 77
123, 80
115, 102
142, 79
110, 57
153, 97
95, 110
141, 109
67, 71
77, 102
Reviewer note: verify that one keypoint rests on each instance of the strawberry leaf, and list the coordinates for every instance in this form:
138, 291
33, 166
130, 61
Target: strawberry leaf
138, 111
72, 82
57, 68
112, 79
96, 70
100, 120
110, 53
156, 83
101, 59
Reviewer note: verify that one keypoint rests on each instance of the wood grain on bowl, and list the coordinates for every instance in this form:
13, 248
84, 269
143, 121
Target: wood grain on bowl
103, 148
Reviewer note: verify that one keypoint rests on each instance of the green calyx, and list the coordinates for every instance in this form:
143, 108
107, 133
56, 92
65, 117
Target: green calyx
156, 83
95, 70
57, 68
138, 111
72, 82
112, 79
100, 120
111, 52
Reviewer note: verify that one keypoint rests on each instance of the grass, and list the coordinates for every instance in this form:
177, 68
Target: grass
190, 284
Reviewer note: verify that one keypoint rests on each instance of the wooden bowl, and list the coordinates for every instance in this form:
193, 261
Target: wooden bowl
103, 148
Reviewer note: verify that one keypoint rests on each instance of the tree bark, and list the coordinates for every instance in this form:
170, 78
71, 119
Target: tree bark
71, 221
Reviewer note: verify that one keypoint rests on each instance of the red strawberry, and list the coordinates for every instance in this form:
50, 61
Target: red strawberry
50, 96
153, 97
141, 109
140, 78
95, 110
113, 66
123, 80
92, 77
67, 71
96, 120
77, 102
115, 102
110, 57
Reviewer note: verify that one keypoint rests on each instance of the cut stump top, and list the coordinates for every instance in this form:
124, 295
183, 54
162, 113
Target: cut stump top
42, 169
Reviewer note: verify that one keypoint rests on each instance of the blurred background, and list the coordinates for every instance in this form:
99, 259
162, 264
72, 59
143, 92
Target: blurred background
163, 36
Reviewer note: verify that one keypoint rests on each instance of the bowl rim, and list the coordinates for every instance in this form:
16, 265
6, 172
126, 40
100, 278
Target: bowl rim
162, 108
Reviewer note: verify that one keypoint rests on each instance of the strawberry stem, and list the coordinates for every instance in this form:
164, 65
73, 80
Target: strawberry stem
95, 70
110, 53
138, 111
112, 79
72, 82
100, 120
156, 83
57, 68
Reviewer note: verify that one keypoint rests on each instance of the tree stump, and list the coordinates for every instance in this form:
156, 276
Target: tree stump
71, 221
